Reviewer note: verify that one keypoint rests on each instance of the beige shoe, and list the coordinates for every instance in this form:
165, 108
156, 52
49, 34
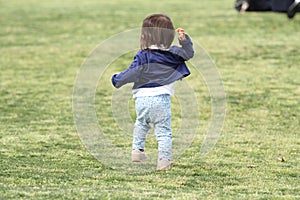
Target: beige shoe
138, 156
163, 164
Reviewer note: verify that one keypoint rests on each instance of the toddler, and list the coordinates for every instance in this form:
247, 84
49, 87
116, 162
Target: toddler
153, 71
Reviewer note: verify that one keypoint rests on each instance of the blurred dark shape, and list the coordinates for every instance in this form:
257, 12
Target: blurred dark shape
295, 7
291, 7
281, 5
253, 5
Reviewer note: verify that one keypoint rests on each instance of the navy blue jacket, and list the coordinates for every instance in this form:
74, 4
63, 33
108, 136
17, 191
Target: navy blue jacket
154, 68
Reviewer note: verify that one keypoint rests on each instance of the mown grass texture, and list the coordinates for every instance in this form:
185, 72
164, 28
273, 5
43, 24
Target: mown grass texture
44, 43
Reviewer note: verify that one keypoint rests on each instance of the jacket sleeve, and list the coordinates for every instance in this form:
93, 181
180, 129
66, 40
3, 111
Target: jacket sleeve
186, 51
130, 75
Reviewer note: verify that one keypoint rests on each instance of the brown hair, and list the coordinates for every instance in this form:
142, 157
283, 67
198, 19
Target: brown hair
157, 29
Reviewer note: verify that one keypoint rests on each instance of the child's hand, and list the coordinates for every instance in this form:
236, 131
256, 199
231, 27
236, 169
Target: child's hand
181, 33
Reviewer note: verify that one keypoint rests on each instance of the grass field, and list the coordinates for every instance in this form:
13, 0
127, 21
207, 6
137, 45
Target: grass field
44, 43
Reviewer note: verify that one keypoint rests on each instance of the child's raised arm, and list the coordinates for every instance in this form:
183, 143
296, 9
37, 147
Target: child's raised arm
186, 50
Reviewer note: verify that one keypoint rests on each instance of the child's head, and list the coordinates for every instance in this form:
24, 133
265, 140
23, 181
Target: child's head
157, 29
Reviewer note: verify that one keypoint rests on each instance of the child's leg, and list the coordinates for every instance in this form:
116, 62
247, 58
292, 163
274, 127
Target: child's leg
161, 116
163, 134
142, 125
139, 135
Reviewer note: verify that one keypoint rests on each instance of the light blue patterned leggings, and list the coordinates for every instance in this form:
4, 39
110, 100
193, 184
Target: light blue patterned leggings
154, 110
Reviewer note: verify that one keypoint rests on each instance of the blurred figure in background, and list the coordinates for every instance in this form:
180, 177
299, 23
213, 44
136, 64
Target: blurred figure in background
295, 7
253, 5
291, 7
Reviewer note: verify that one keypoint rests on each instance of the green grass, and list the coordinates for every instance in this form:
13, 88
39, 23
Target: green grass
42, 46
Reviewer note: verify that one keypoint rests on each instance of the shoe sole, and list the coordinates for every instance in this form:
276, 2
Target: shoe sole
167, 167
138, 160
164, 168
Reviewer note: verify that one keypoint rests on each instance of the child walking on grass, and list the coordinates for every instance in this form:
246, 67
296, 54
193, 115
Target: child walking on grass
153, 71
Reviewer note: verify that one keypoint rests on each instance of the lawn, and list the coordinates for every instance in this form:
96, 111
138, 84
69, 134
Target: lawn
44, 45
